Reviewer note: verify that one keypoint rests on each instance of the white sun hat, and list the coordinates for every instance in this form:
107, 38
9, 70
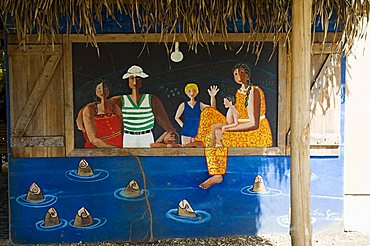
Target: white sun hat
135, 71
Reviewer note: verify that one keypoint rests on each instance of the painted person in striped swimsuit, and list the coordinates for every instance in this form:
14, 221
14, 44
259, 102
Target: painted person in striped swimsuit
139, 111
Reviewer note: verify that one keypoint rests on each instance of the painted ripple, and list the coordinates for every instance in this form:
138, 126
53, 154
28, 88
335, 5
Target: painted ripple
313, 176
202, 217
120, 194
40, 225
248, 190
47, 201
97, 223
99, 174
284, 220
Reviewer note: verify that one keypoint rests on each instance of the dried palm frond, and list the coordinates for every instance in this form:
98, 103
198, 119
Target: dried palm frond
193, 18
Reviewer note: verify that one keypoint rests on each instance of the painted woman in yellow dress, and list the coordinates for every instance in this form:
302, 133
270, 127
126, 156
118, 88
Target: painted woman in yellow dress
253, 129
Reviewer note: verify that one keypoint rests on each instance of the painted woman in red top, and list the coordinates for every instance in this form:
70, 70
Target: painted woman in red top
103, 121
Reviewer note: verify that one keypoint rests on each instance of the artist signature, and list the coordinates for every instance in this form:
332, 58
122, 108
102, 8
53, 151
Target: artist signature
329, 215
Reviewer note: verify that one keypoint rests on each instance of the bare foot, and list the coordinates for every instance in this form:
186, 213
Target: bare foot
216, 179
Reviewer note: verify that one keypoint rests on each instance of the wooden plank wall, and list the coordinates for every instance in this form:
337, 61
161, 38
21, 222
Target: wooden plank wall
325, 112
325, 121
27, 66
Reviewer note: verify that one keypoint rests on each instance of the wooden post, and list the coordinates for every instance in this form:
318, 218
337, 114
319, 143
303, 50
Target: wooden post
300, 229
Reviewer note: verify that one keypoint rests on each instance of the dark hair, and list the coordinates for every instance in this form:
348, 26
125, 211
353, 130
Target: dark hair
96, 82
177, 137
231, 99
244, 67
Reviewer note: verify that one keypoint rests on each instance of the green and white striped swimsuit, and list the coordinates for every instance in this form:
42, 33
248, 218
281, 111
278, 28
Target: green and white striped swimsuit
137, 117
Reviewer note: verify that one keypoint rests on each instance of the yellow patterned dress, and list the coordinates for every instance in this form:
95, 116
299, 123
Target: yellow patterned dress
217, 157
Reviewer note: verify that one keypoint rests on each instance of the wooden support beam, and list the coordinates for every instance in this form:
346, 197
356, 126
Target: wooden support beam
30, 39
300, 229
35, 96
22, 142
34, 50
155, 38
68, 95
168, 151
325, 48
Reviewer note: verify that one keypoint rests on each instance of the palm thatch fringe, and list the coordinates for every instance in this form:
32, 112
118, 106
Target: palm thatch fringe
195, 17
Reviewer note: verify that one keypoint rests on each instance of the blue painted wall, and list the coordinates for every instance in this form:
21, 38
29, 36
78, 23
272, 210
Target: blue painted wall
229, 208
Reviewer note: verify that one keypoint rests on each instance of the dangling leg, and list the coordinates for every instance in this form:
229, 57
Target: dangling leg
214, 129
216, 159
216, 179
208, 117
218, 135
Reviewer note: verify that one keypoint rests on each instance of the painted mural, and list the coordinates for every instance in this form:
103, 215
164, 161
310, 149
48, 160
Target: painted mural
128, 120
147, 99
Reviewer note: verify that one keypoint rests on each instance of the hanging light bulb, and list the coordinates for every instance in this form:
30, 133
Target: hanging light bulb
177, 56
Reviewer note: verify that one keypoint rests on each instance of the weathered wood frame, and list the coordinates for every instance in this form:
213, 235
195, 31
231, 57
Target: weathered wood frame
29, 135
70, 121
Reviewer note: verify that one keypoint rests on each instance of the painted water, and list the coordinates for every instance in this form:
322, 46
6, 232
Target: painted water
230, 208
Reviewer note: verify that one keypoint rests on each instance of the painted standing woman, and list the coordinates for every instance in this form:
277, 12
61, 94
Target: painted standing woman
253, 129
102, 121
191, 110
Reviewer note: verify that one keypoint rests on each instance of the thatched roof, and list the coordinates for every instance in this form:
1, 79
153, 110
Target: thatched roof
192, 17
